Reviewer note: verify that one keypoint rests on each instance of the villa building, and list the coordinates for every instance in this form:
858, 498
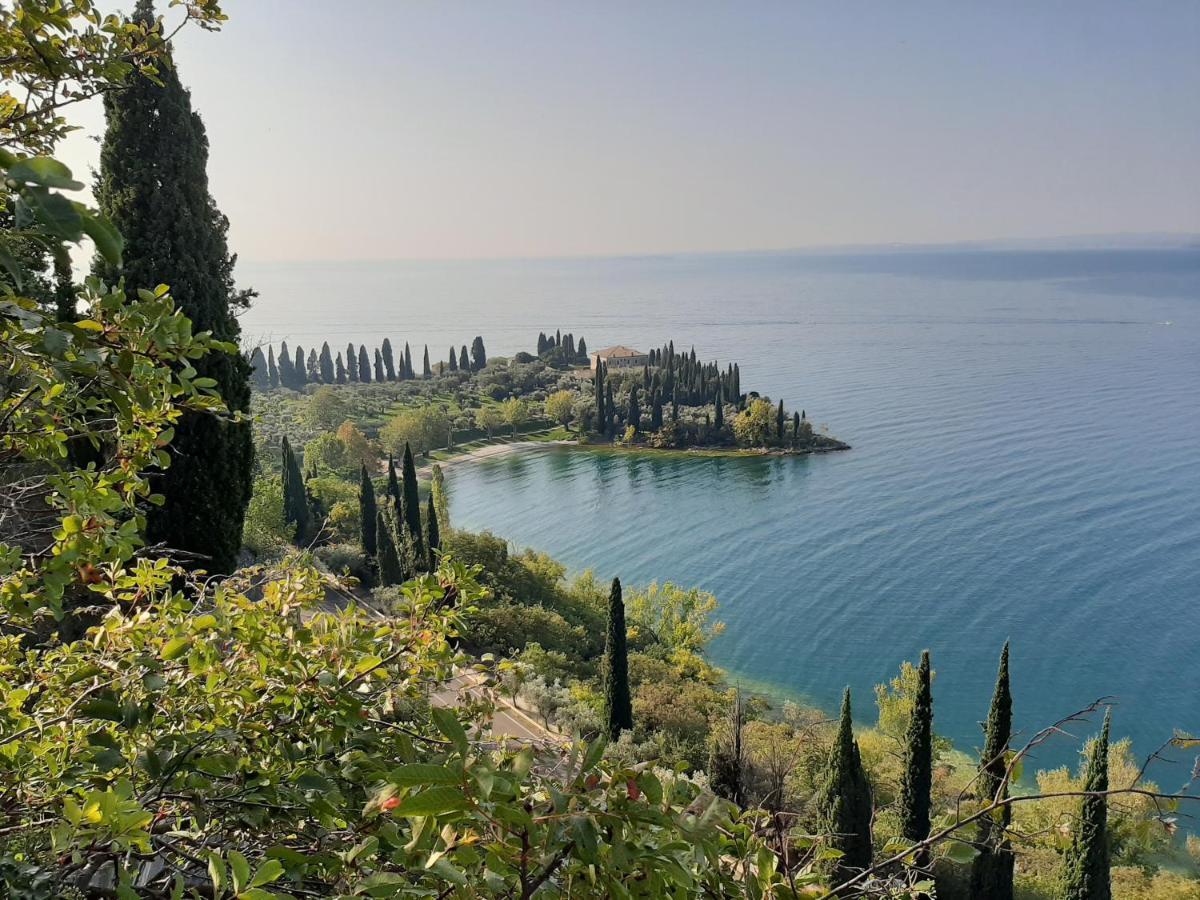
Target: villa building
620, 358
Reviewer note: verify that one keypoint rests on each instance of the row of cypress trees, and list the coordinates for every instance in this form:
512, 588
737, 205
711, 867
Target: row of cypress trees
392, 532
295, 370
564, 342
845, 808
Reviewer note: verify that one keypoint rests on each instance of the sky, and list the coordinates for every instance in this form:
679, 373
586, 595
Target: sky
397, 129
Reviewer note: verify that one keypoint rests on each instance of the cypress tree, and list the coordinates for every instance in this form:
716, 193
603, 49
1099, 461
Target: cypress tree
916, 783
557, 338
328, 375
364, 365
313, 370
610, 412
795, 427
779, 420
599, 384
541, 344
295, 497
453, 363
351, 362
378, 365
992, 868
412, 504
408, 369
367, 513
478, 354
844, 801
426, 371
464, 361
299, 369
581, 348
634, 413
153, 187
617, 704
341, 369
433, 537
389, 364
287, 376
258, 367
272, 369
674, 407
390, 570
719, 418
1086, 870
393, 483
656, 411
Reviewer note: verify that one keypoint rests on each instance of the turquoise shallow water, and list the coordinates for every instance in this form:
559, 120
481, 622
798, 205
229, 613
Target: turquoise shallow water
1026, 433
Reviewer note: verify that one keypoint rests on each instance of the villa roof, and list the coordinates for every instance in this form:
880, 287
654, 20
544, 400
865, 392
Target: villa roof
617, 351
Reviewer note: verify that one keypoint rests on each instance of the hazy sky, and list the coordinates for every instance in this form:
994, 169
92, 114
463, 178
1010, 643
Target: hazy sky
389, 129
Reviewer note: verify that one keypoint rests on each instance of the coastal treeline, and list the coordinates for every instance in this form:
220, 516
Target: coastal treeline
295, 369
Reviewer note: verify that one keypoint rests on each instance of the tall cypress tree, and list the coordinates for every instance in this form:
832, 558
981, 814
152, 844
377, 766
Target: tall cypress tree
599, 385
393, 483
408, 369
412, 505
389, 363
153, 187
464, 362
352, 362
295, 496
433, 537
340, 369
719, 418
610, 412
779, 420
426, 371
634, 414
272, 369
917, 781
299, 370
617, 703
992, 868
1086, 871
453, 360
378, 365
258, 366
390, 570
328, 375
364, 365
367, 513
844, 801
478, 354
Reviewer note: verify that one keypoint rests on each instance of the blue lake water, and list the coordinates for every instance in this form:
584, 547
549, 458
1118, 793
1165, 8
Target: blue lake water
1026, 462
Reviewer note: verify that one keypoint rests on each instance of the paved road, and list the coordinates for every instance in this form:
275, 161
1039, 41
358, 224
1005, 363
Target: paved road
507, 721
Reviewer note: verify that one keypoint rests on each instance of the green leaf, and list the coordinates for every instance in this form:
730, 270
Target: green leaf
420, 774
176, 647
960, 853
269, 871
11, 265
44, 171
101, 709
433, 802
241, 871
54, 212
107, 239
447, 723
216, 871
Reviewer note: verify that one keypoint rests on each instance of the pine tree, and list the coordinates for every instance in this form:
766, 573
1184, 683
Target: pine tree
453, 363
478, 354
1086, 869
916, 783
412, 504
328, 375
390, 570
844, 800
433, 537
258, 367
352, 362
992, 868
364, 365
153, 187
426, 371
272, 369
295, 497
617, 704
367, 513
389, 363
